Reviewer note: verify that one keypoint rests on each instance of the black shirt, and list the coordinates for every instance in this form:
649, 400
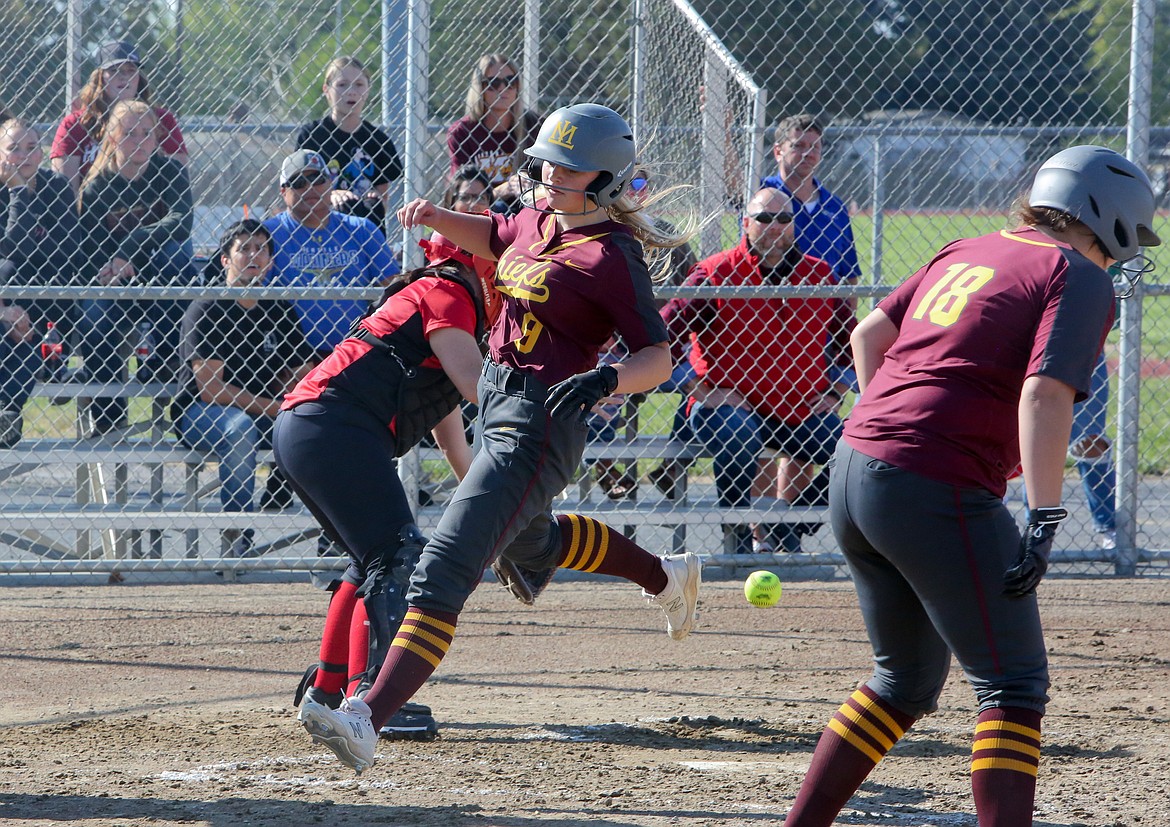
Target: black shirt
360, 160
39, 232
255, 345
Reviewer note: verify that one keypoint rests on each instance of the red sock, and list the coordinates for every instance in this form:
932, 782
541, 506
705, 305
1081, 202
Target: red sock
589, 545
359, 646
1004, 759
333, 661
416, 651
864, 729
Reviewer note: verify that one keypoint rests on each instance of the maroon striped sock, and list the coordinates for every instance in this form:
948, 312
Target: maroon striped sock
333, 660
858, 736
1004, 759
589, 545
416, 651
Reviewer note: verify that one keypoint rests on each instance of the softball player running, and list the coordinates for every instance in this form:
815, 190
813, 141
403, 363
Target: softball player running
571, 273
967, 368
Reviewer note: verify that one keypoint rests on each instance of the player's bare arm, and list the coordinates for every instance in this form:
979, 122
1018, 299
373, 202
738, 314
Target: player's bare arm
460, 357
644, 370
470, 231
452, 441
1046, 414
870, 340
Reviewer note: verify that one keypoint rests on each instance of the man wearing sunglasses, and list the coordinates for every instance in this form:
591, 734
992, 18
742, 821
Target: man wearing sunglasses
762, 365
316, 246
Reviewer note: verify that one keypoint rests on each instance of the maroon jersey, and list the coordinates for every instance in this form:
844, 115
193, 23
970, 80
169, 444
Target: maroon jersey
973, 324
470, 142
565, 292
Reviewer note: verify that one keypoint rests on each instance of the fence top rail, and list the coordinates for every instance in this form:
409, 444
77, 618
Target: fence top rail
762, 291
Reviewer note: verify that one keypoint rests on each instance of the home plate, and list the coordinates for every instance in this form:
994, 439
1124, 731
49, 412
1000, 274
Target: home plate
800, 767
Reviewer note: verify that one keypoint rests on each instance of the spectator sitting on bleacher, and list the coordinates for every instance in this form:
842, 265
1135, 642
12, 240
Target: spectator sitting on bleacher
316, 246
136, 214
239, 356
38, 242
494, 130
118, 77
762, 365
361, 156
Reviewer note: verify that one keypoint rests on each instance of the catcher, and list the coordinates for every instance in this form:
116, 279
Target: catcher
399, 373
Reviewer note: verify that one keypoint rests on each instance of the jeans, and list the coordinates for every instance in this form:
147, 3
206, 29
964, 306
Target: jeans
234, 437
1098, 476
19, 363
735, 437
99, 318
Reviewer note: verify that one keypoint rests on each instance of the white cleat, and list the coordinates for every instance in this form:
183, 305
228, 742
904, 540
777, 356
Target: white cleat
679, 600
347, 731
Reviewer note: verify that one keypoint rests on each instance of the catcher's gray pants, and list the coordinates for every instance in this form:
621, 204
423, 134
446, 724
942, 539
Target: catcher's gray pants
502, 506
928, 560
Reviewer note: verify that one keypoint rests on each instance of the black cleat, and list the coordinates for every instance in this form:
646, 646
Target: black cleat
413, 722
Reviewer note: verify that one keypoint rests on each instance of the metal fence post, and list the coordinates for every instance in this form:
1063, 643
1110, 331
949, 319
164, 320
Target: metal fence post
1130, 357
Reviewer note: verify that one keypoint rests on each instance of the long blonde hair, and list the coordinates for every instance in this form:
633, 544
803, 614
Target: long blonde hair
657, 234
107, 151
473, 105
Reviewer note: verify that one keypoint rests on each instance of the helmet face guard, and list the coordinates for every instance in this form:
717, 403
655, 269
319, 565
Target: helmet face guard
584, 137
530, 183
1103, 190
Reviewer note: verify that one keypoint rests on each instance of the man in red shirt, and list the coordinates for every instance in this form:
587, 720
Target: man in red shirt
763, 364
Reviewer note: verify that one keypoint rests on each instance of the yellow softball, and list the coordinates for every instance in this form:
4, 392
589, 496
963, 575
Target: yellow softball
762, 588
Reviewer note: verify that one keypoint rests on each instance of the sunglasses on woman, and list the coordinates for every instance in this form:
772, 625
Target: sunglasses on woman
502, 82
639, 183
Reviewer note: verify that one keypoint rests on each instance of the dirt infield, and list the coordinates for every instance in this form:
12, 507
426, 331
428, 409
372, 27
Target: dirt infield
171, 705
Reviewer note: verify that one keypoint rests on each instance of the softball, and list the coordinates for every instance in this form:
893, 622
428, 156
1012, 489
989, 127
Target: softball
762, 588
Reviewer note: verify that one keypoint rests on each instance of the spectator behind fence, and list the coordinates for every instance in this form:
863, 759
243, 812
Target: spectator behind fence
469, 190
762, 365
494, 129
317, 246
361, 157
822, 219
136, 214
238, 358
118, 77
38, 244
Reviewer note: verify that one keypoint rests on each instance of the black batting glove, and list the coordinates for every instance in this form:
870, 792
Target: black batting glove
1035, 546
577, 395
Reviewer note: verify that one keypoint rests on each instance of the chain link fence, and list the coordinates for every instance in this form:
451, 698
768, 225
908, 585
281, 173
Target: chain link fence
933, 114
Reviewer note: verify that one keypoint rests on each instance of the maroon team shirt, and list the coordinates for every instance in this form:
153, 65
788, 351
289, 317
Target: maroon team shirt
566, 292
973, 324
470, 142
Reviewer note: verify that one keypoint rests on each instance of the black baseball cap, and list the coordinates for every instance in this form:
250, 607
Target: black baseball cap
113, 54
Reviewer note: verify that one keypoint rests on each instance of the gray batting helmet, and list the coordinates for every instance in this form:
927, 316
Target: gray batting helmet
1103, 190
585, 137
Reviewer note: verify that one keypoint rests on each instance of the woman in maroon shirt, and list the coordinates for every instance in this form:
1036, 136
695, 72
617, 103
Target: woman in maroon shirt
118, 77
494, 129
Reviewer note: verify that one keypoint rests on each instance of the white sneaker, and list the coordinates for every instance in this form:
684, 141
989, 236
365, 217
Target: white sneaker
346, 730
1108, 539
679, 600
